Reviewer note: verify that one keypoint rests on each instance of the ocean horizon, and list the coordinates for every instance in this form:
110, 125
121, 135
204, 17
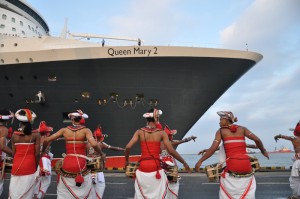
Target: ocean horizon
276, 159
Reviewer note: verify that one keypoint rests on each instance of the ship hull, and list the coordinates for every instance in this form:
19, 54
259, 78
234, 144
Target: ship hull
184, 87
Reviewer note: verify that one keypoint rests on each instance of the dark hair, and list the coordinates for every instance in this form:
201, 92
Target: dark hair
4, 112
77, 119
27, 129
150, 119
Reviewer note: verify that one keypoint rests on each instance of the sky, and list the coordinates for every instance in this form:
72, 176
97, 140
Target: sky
266, 99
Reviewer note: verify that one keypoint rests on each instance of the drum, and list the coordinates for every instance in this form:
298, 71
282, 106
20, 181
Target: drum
213, 172
58, 166
254, 163
6, 165
95, 165
172, 173
131, 168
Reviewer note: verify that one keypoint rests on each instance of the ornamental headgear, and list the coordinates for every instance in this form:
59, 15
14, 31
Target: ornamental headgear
98, 134
296, 129
25, 115
6, 114
155, 114
78, 113
170, 132
43, 129
227, 115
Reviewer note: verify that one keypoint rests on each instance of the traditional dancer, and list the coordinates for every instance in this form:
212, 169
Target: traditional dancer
169, 160
5, 116
74, 179
26, 153
98, 177
237, 179
151, 180
44, 168
295, 177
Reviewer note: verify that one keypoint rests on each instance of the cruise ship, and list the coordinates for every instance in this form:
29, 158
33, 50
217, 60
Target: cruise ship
114, 85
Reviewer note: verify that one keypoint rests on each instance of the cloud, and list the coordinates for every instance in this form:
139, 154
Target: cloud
265, 99
149, 19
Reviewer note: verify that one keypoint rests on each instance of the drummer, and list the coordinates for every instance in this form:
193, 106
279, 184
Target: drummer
169, 159
98, 177
151, 180
294, 177
26, 153
5, 117
44, 168
74, 179
237, 179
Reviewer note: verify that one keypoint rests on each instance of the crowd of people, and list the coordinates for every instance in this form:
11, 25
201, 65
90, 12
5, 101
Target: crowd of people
31, 157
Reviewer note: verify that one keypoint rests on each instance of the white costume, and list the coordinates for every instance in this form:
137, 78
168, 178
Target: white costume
66, 188
295, 178
44, 180
99, 184
148, 186
236, 187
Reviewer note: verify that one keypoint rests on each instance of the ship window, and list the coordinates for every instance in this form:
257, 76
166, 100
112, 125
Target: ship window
13, 29
21, 23
13, 19
11, 95
52, 78
4, 16
23, 32
2, 61
29, 27
2, 26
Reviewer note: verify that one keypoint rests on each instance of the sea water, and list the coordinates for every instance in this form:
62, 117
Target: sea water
276, 159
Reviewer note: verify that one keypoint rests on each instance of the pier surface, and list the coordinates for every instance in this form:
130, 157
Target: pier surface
270, 185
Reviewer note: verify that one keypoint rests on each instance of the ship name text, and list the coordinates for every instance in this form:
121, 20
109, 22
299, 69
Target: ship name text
135, 51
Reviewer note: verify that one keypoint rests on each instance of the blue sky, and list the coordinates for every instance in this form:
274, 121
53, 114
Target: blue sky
266, 99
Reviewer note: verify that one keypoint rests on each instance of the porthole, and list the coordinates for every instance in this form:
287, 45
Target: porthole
21, 77
11, 95
6, 77
2, 61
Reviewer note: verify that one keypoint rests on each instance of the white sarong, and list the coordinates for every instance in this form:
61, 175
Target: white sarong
99, 185
148, 186
174, 189
66, 188
235, 188
1, 183
22, 186
295, 178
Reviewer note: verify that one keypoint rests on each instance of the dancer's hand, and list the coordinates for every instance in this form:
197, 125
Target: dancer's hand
187, 168
197, 166
202, 152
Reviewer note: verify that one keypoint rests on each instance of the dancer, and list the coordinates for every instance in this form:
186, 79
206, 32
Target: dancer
151, 180
74, 179
26, 153
98, 177
237, 179
294, 178
169, 160
44, 168
5, 116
